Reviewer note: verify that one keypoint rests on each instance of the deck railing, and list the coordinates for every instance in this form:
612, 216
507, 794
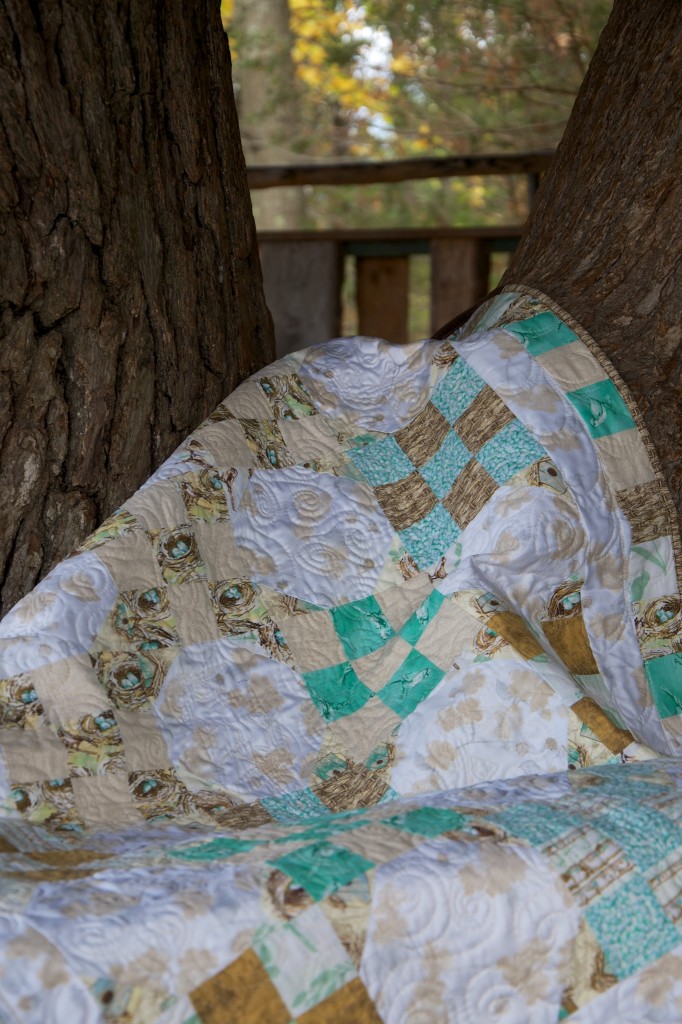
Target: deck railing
303, 270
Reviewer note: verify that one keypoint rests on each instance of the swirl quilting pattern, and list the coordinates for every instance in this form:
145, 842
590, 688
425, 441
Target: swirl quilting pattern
367, 706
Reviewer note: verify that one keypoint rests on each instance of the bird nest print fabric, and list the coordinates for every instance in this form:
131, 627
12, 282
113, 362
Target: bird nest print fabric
365, 708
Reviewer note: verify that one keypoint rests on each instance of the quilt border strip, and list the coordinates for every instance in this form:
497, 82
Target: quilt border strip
632, 407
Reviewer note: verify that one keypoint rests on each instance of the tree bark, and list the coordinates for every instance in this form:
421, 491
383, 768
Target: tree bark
131, 297
604, 238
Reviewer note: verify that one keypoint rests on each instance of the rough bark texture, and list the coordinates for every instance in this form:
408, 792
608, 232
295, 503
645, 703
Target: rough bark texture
604, 238
131, 298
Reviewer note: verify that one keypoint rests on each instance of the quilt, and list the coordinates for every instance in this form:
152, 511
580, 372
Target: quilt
366, 707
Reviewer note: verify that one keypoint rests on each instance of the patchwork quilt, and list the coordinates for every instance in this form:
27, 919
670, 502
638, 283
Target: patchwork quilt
366, 708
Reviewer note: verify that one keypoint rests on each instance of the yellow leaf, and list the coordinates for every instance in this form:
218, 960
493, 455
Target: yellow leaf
226, 12
402, 64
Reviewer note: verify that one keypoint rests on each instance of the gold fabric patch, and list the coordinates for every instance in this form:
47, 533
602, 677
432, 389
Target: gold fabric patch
349, 1005
589, 712
472, 489
569, 640
406, 502
421, 439
644, 511
484, 418
241, 993
514, 630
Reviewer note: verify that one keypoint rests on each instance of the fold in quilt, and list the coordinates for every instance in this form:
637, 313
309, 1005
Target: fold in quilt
365, 709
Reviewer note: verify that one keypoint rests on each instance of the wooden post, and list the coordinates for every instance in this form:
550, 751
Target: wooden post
302, 283
382, 297
459, 276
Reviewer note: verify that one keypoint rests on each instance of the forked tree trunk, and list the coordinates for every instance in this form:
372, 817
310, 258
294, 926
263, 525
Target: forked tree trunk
131, 298
604, 238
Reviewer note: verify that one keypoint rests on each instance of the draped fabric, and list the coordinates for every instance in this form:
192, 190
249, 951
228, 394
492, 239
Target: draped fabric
367, 707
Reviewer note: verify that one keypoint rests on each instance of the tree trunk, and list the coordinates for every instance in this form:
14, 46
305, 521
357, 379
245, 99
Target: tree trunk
604, 238
131, 298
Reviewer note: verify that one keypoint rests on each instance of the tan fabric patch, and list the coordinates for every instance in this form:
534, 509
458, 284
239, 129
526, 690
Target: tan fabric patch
349, 1005
34, 755
378, 843
71, 682
515, 631
131, 561
589, 712
143, 742
226, 442
484, 418
572, 366
242, 992
624, 458
406, 502
249, 399
165, 509
421, 439
472, 489
312, 442
101, 799
376, 669
358, 735
313, 641
398, 603
219, 552
644, 510
451, 633
569, 640
193, 612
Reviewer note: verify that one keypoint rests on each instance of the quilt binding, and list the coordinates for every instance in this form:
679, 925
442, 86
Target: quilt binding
633, 409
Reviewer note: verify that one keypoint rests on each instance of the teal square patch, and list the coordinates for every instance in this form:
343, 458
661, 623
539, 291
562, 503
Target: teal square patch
362, 626
291, 808
537, 823
431, 537
631, 927
602, 408
427, 821
419, 620
336, 691
664, 676
414, 680
382, 462
511, 450
214, 849
644, 835
541, 333
322, 868
457, 390
441, 471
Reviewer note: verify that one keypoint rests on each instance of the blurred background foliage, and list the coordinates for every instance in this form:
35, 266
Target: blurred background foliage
329, 80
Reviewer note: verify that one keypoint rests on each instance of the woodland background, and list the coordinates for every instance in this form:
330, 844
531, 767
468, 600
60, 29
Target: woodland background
131, 291
328, 80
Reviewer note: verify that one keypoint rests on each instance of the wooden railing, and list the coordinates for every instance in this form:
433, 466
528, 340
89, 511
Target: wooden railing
303, 270
303, 275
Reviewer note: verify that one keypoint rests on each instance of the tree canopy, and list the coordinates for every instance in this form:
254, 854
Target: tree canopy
384, 79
